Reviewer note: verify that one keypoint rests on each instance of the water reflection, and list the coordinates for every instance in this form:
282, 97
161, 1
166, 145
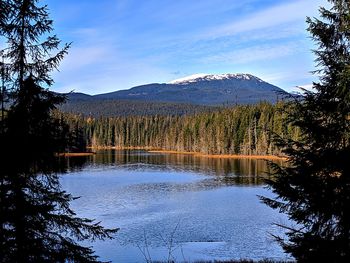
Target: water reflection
227, 171
212, 203
72, 164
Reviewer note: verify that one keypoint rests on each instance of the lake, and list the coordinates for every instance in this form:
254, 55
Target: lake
173, 206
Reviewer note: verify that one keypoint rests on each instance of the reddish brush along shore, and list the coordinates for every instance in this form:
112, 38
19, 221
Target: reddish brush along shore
76, 154
197, 154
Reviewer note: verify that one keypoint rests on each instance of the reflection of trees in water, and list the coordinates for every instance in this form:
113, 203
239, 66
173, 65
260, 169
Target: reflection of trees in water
228, 171
75, 163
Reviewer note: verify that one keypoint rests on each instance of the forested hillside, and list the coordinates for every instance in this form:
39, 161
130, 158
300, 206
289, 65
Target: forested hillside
238, 130
110, 107
190, 95
207, 89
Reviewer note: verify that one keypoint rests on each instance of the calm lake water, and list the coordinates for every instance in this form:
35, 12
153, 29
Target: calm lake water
180, 207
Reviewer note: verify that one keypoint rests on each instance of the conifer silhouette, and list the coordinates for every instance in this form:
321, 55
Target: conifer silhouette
36, 221
314, 190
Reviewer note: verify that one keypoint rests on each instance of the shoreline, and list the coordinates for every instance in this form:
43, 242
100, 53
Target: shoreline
122, 148
81, 154
195, 154
224, 156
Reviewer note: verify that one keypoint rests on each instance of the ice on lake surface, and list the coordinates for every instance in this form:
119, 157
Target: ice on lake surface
197, 208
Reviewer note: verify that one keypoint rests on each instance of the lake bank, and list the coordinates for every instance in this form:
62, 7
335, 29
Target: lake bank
224, 156
80, 154
196, 154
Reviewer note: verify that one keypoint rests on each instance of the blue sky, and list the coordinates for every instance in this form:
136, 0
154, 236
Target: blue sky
118, 44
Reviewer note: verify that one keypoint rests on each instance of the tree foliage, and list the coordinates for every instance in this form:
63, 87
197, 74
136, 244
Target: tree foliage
36, 221
116, 108
238, 130
314, 191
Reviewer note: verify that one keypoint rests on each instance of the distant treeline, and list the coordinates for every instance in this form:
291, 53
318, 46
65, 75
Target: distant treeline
111, 108
239, 130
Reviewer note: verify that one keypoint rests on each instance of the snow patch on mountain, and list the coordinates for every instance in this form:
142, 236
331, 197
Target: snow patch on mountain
208, 77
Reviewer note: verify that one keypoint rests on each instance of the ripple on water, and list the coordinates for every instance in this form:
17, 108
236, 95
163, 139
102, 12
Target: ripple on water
207, 214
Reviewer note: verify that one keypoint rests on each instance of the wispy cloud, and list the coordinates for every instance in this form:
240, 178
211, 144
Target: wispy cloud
99, 69
273, 16
253, 54
79, 58
119, 44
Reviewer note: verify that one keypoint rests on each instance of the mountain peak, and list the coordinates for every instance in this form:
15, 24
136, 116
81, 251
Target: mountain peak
209, 77
203, 89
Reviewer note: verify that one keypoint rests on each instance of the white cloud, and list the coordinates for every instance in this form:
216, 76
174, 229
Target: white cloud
253, 54
294, 78
80, 57
120, 55
274, 16
108, 74
86, 33
300, 89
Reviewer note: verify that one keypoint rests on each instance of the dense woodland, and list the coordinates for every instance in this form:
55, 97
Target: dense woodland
112, 107
37, 223
239, 130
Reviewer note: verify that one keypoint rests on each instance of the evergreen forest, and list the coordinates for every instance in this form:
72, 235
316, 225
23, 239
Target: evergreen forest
247, 129
312, 188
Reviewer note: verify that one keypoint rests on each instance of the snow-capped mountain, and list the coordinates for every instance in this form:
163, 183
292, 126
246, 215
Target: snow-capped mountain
209, 77
202, 89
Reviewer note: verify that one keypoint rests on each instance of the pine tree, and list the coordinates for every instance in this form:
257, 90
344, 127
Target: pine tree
4, 14
4, 7
314, 190
36, 221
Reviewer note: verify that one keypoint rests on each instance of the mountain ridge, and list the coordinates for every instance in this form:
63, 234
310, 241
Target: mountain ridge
200, 89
